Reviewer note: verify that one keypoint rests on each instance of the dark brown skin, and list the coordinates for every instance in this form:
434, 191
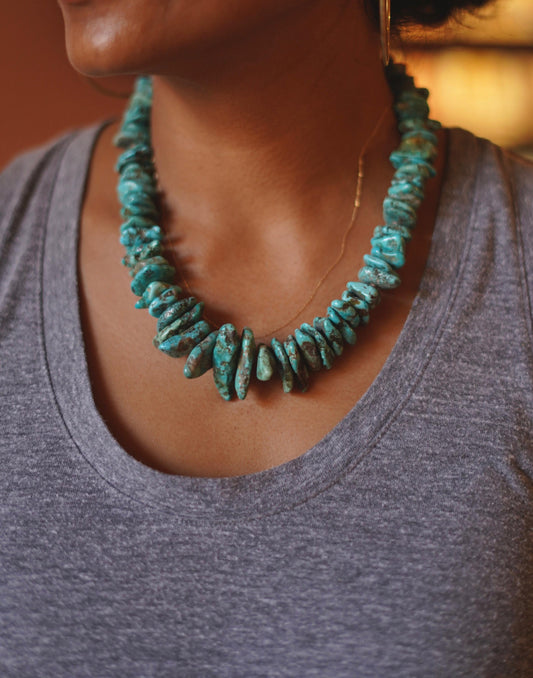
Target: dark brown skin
261, 108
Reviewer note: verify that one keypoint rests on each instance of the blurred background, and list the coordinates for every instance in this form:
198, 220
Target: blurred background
479, 71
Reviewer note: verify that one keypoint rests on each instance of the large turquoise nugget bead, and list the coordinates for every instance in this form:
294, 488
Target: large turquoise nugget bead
266, 363
308, 349
181, 324
284, 366
225, 357
365, 292
175, 311
360, 306
326, 354
151, 293
245, 364
296, 362
330, 333
377, 272
182, 344
348, 334
151, 270
200, 359
159, 304
347, 312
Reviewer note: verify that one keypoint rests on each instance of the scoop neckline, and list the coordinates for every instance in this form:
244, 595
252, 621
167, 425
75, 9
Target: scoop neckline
292, 483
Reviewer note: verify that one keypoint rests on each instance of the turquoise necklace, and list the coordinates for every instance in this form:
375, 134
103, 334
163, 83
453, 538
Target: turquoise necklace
182, 330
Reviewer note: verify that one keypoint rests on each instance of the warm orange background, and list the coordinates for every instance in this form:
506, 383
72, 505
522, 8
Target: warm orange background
41, 95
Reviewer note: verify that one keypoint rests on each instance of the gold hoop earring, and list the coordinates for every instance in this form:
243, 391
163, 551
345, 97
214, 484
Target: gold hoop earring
384, 30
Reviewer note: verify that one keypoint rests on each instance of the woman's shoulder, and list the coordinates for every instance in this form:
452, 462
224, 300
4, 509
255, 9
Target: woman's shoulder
29, 178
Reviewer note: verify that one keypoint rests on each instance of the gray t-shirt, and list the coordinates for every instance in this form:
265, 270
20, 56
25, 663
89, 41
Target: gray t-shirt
399, 546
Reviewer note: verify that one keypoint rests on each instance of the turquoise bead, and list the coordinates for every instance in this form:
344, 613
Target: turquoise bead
365, 292
326, 354
308, 349
150, 270
142, 252
398, 159
245, 364
182, 344
132, 237
163, 301
200, 359
297, 363
414, 173
345, 308
348, 334
396, 259
404, 231
181, 324
330, 333
390, 248
421, 134
266, 363
379, 277
360, 306
398, 212
347, 314
284, 366
225, 357
151, 293
175, 311
140, 154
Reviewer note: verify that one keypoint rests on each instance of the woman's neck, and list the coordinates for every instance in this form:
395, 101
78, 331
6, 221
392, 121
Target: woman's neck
253, 135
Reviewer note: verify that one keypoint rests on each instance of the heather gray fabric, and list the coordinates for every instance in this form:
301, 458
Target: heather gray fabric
400, 546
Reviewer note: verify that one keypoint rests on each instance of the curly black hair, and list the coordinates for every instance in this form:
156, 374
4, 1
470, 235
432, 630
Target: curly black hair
426, 12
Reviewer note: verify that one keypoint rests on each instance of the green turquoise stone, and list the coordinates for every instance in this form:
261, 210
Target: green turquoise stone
404, 231
390, 248
379, 277
128, 187
360, 306
348, 334
404, 187
152, 292
142, 252
326, 354
283, 365
181, 324
414, 173
162, 302
245, 364
399, 159
150, 270
200, 359
344, 308
330, 333
352, 320
132, 236
225, 357
377, 262
148, 212
308, 349
421, 135
296, 362
140, 154
173, 312
182, 344
365, 292
396, 259
398, 212
266, 363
